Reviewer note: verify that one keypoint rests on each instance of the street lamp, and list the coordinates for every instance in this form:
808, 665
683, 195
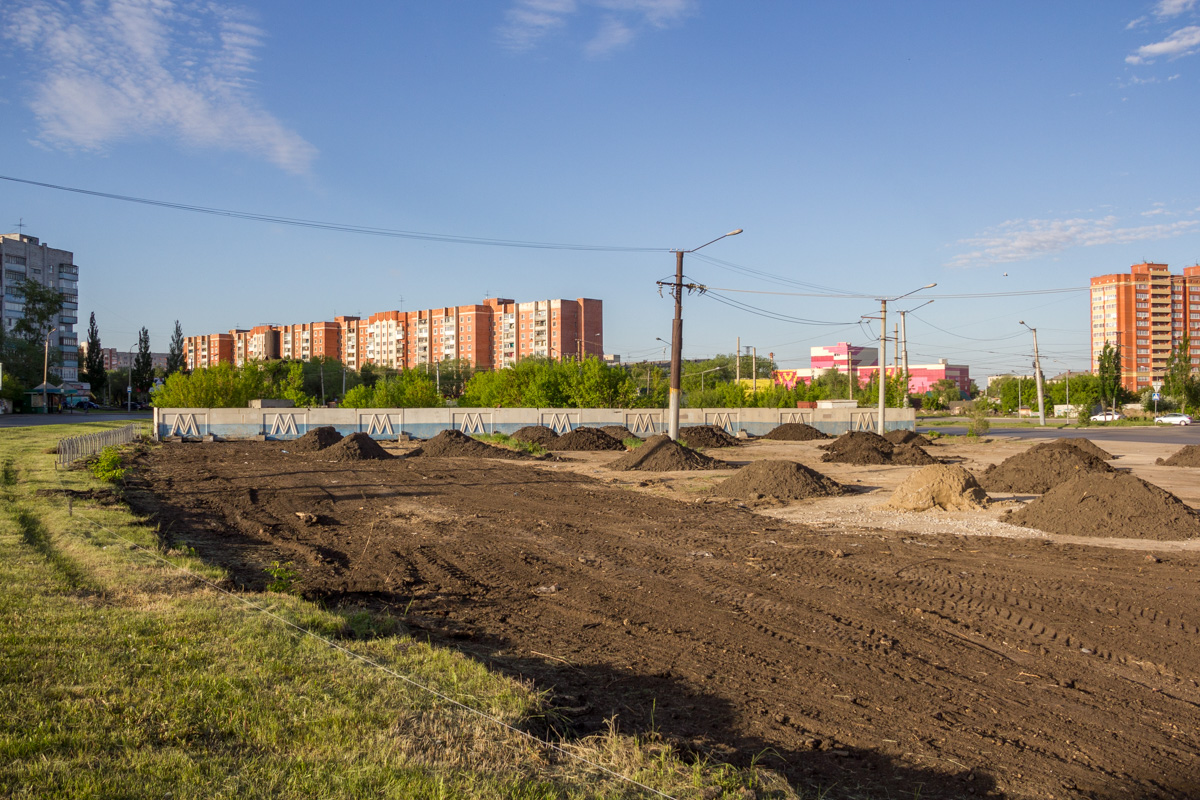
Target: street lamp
883, 301
904, 346
46, 371
677, 332
1037, 366
129, 387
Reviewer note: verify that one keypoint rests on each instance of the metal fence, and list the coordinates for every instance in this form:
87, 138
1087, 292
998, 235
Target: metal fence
77, 447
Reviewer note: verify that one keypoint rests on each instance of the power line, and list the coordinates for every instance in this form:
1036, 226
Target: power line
931, 296
340, 227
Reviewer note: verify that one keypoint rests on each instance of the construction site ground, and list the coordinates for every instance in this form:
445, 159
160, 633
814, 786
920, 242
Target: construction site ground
860, 651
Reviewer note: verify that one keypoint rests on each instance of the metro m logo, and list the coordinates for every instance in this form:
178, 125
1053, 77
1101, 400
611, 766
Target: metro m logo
643, 423
283, 425
184, 425
559, 423
471, 423
721, 419
377, 424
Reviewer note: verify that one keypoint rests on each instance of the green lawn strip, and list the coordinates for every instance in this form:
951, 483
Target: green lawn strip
122, 677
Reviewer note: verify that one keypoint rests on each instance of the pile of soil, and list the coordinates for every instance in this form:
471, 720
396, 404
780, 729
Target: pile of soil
785, 480
1039, 469
911, 455
858, 447
1114, 504
901, 436
707, 436
1086, 445
316, 439
619, 432
945, 486
1189, 456
661, 454
356, 447
538, 434
795, 432
456, 444
585, 439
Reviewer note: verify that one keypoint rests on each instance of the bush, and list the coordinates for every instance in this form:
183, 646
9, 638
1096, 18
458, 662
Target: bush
107, 465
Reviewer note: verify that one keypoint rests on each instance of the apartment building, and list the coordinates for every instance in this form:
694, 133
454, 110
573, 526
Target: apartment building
121, 359
488, 335
207, 350
1147, 311
23, 257
863, 363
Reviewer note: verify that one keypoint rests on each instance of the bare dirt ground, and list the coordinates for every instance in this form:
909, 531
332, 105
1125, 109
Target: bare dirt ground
860, 650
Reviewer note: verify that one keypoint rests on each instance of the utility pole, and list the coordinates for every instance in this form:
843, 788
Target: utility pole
882, 363
738, 357
1037, 367
754, 367
896, 350
904, 354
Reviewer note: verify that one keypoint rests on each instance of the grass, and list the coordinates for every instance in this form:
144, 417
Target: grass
504, 440
123, 676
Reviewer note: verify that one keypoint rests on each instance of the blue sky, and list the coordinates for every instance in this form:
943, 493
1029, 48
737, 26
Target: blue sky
1000, 150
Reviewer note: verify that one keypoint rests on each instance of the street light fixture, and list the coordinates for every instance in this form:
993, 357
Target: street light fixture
677, 332
883, 301
46, 371
1037, 366
129, 387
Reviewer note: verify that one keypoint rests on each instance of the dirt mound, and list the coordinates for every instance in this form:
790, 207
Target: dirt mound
707, 436
1114, 504
1086, 445
858, 447
619, 432
901, 436
356, 447
945, 486
585, 439
795, 432
785, 480
456, 444
538, 434
660, 454
1189, 456
911, 455
1037, 471
316, 439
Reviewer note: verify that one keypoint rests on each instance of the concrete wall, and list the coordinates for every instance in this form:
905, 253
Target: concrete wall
390, 423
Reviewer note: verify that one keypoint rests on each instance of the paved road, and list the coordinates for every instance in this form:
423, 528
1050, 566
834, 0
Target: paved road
23, 420
1160, 434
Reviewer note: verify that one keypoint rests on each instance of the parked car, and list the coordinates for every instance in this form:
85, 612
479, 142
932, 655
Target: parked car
1107, 416
82, 404
1173, 419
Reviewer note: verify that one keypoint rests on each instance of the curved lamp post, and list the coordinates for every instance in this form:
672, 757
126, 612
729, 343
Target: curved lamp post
1037, 366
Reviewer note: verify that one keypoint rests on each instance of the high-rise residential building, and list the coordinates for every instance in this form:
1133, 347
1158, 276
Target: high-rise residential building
25, 257
1148, 311
487, 335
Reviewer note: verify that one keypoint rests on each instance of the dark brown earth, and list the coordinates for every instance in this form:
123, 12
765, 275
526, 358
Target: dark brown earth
1039, 469
619, 432
859, 663
355, 447
707, 436
785, 480
585, 439
660, 454
1188, 456
911, 454
795, 432
858, 447
316, 439
1109, 504
900, 436
1086, 445
537, 434
456, 444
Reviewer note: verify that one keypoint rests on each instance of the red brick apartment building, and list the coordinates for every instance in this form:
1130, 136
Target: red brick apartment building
489, 335
1148, 311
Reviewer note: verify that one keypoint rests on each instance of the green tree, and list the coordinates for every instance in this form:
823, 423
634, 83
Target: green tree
175, 354
24, 349
42, 305
143, 364
219, 386
1108, 374
93, 365
408, 388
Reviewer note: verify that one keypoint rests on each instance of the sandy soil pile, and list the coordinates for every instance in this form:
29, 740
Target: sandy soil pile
1039, 469
900, 436
1189, 456
945, 486
785, 480
456, 444
1086, 445
538, 434
585, 439
1116, 504
707, 436
356, 447
660, 454
619, 432
316, 439
795, 432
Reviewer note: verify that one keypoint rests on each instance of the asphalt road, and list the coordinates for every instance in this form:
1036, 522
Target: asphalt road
1098, 432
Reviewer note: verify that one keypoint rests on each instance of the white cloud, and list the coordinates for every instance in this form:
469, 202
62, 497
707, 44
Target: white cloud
1173, 8
126, 69
614, 23
1021, 240
1182, 42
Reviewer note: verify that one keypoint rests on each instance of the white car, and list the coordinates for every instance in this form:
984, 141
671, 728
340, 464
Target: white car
1173, 419
1107, 416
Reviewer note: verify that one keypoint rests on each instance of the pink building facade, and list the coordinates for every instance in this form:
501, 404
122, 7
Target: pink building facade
863, 363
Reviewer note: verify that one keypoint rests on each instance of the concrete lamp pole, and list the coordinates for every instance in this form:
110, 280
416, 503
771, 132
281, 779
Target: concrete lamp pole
677, 333
129, 385
46, 370
904, 345
883, 301
1037, 366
